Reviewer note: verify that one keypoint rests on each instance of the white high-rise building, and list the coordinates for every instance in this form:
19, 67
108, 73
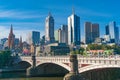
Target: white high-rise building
74, 29
49, 29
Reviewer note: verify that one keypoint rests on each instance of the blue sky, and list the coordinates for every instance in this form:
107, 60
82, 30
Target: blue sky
28, 15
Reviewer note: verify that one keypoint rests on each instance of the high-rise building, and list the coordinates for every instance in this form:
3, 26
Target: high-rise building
3, 40
88, 32
56, 35
74, 29
112, 27
113, 31
49, 29
34, 38
11, 39
107, 30
117, 35
91, 32
95, 31
63, 34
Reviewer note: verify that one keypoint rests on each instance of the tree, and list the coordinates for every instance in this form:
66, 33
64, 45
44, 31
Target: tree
77, 52
81, 51
4, 58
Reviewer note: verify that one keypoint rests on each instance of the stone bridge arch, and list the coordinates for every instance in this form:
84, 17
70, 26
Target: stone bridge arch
67, 67
22, 65
51, 69
92, 67
29, 62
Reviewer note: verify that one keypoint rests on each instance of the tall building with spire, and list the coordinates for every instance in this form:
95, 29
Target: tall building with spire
11, 39
74, 29
49, 29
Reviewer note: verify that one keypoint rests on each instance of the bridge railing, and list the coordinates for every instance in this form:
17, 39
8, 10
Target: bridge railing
99, 60
111, 60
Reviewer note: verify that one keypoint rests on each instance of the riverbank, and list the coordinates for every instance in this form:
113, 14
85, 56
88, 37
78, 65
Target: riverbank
6, 70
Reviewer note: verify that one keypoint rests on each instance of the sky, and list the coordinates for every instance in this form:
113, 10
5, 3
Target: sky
29, 15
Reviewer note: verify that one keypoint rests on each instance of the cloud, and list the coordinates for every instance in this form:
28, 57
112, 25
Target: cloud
19, 14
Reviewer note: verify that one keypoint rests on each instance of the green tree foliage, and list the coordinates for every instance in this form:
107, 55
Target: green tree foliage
72, 52
4, 58
98, 47
81, 51
78, 51
116, 49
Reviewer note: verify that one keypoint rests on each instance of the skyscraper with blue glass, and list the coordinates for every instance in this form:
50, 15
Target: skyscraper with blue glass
113, 32
74, 29
34, 38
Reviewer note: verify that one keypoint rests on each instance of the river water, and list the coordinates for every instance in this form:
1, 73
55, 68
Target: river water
22, 76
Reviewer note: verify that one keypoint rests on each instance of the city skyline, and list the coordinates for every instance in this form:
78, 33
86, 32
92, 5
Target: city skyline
29, 15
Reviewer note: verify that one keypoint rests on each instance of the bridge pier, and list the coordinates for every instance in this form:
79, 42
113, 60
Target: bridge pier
31, 71
73, 74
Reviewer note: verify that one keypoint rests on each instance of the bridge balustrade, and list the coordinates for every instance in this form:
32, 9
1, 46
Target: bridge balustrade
94, 61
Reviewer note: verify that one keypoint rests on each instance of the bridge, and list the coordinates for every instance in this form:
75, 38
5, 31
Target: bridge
84, 63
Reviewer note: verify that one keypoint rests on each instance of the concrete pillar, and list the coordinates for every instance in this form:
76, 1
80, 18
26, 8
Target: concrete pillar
74, 64
34, 61
73, 74
31, 71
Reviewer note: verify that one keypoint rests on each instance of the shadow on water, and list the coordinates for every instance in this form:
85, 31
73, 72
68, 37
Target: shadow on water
22, 76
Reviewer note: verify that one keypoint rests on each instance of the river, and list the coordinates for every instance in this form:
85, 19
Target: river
97, 74
22, 76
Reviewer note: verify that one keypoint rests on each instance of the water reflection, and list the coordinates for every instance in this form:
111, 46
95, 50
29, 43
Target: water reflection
22, 76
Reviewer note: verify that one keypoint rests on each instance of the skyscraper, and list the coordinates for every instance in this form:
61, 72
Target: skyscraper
112, 27
95, 31
63, 34
91, 32
11, 39
74, 29
107, 29
49, 29
34, 38
56, 35
113, 32
88, 32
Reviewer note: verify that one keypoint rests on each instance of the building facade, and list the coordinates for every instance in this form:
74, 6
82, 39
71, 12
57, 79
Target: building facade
88, 31
74, 30
91, 32
107, 30
56, 35
113, 31
63, 34
95, 31
49, 29
56, 49
34, 38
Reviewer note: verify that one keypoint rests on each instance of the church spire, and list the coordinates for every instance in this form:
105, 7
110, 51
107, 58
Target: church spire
11, 39
11, 29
